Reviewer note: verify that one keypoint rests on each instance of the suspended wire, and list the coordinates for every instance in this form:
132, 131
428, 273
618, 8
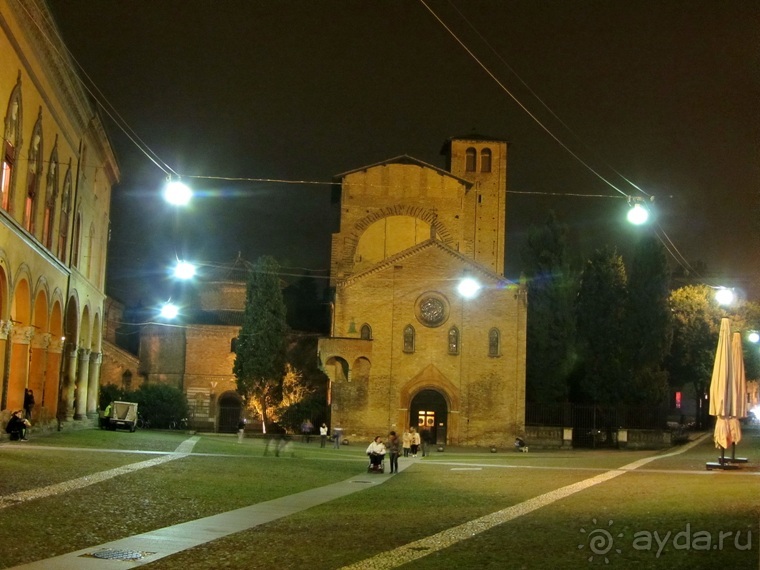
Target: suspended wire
109, 109
519, 103
536, 96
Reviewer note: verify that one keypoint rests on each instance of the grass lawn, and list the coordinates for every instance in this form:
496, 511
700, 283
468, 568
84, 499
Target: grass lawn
670, 495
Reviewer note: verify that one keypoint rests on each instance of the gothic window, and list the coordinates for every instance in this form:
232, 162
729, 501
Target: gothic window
366, 332
11, 143
470, 158
63, 229
485, 160
453, 340
494, 348
75, 245
51, 195
33, 176
409, 338
90, 250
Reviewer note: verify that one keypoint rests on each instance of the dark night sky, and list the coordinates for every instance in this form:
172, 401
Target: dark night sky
666, 93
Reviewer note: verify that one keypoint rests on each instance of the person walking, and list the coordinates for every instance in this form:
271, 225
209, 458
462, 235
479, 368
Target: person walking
406, 441
393, 446
337, 433
322, 435
416, 439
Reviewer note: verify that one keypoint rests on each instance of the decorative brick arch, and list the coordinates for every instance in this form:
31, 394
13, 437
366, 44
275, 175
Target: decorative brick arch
430, 379
424, 214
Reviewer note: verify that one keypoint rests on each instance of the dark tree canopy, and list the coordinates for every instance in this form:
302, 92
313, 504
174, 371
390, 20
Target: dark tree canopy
600, 314
551, 320
648, 323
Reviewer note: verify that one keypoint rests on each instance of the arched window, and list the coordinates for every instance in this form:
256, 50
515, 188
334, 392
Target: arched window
453, 340
51, 195
11, 144
366, 332
233, 344
494, 338
485, 160
34, 175
408, 338
90, 250
75, 246
63, 228
470, 158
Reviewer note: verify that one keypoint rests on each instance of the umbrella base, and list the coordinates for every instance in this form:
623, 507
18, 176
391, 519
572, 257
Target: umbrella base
710, 465
736, 459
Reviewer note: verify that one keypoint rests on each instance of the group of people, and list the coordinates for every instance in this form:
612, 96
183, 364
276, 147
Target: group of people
409, 443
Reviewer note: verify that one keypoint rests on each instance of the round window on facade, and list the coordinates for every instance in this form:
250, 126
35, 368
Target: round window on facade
432, 309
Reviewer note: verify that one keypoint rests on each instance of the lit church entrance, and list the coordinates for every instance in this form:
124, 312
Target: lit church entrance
428, 414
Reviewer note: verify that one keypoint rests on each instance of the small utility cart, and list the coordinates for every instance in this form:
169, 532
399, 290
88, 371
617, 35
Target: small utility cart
123, 415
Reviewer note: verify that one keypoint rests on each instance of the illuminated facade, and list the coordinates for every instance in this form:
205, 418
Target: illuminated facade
58, 169
407, 349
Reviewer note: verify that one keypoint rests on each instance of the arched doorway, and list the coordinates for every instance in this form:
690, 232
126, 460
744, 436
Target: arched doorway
428, 412
230, 410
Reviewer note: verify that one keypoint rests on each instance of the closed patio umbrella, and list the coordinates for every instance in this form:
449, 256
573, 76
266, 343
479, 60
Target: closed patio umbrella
738, 389
721, 395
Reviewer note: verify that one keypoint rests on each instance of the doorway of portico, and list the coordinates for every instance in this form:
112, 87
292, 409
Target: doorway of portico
428, 414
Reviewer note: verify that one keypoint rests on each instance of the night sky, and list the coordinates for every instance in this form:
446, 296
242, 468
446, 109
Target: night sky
663, 93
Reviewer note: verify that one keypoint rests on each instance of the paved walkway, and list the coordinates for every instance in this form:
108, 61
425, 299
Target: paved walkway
150, 546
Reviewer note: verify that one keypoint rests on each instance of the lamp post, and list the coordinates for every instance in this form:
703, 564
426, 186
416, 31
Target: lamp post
468, 288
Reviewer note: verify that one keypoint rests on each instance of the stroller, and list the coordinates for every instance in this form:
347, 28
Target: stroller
376, 463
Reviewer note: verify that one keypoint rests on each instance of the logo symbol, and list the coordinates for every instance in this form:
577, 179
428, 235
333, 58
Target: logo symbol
600, 542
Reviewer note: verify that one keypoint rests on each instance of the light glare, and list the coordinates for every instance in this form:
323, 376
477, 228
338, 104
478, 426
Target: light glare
169, 311
184, 270
724, 296
638, 215
754, 337
468, 287
177, 193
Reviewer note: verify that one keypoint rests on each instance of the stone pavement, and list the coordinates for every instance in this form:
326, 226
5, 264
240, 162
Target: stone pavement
144, 548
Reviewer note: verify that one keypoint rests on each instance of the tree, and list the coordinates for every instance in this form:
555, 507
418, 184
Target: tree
600, 312
696, 317
551, 321
648, 323
260, 353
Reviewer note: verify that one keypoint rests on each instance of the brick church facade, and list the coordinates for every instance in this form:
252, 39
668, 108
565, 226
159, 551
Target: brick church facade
406, 348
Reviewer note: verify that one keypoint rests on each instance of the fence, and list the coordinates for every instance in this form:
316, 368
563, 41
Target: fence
593, 425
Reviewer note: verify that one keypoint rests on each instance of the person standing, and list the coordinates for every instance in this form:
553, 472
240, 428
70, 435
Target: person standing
322, 434
337, 432
393, 446
241, 430
416, 439
28, 403
406, 441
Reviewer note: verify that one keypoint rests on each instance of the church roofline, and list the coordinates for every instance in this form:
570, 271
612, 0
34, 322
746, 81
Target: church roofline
474, 137
389, 261
406, 159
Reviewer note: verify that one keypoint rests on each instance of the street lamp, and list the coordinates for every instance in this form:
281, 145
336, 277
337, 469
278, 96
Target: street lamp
468, 287
177, 193
169, 310
724, 296
754, 337
184, 270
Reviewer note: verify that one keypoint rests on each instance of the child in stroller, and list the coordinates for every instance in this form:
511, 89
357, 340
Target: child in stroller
376, 453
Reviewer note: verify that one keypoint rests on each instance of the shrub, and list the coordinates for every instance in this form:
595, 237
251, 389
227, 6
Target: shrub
159, 403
